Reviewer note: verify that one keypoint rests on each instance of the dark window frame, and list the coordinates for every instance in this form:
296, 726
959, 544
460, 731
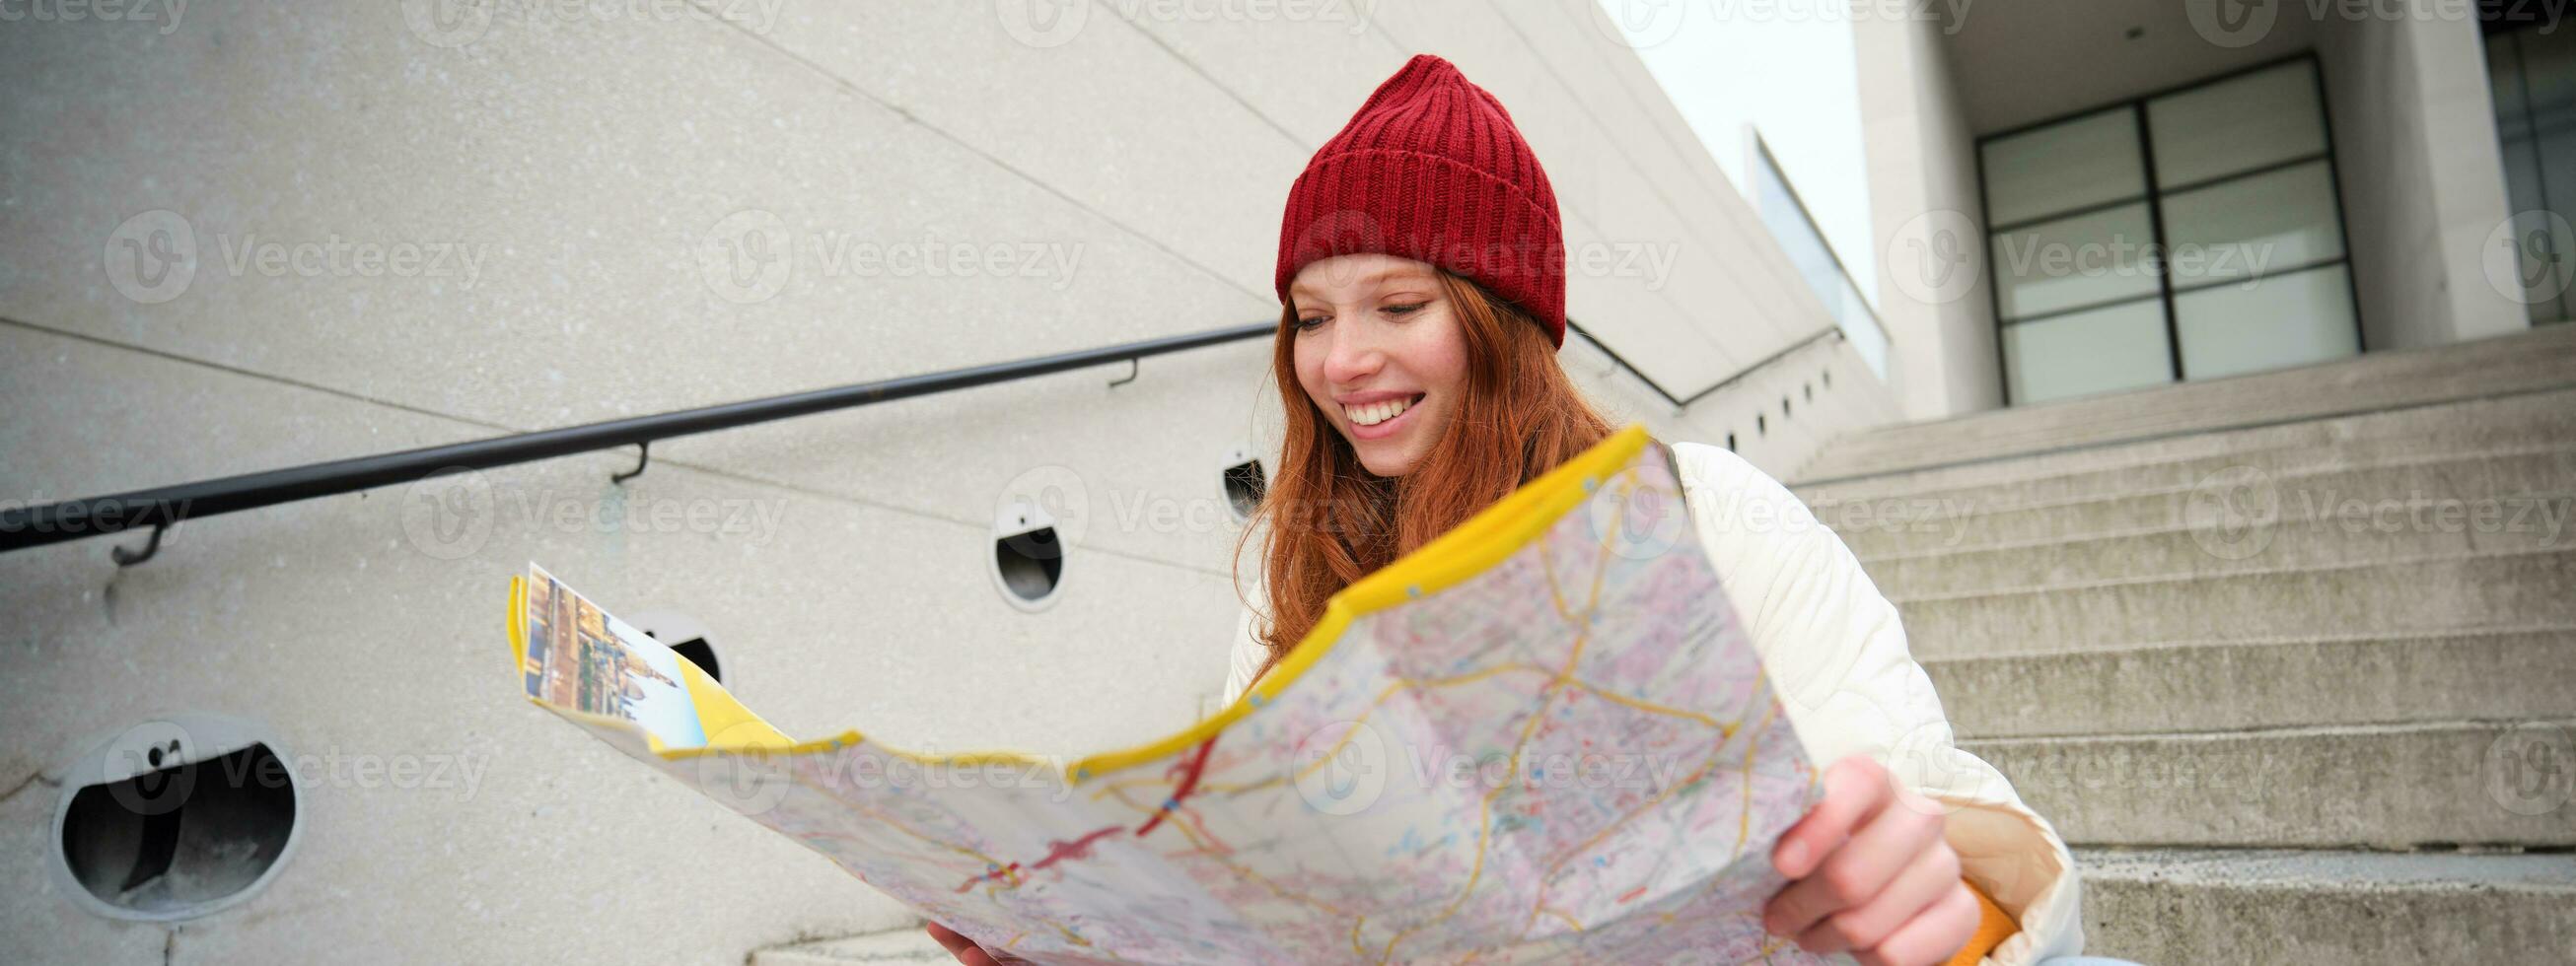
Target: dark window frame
2153, 196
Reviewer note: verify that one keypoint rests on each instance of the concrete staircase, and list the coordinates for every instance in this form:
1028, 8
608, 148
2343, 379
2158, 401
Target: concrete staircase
2290, 658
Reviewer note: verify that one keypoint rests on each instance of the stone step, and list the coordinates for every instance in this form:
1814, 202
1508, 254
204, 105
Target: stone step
2541, 358
2373, 530
2459, 428
2361, 786
2473, 486
2500, 676
2407, 597
2297, 908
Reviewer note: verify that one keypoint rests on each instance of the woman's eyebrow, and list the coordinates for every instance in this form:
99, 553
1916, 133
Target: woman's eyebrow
1377, 278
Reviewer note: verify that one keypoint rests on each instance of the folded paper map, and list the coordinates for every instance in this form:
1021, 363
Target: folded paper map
1541, 738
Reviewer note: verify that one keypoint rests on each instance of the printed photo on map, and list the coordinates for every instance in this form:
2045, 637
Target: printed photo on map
579, 657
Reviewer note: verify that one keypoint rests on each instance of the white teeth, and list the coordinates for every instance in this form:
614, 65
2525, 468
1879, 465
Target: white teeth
1371, 414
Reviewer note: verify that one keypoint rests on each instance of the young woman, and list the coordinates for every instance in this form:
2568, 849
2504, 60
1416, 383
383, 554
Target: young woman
1421, 277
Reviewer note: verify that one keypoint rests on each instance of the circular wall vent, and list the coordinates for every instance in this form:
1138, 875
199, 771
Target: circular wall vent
175, 818
1244, 482
684, 635
1028, 555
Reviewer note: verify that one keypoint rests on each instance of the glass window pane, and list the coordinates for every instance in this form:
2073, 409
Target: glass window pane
2549, 62
2272, 222
2121, 347
2235, 124
2086, 161
2504, 83
2285, 320
2539, 148
2070, 262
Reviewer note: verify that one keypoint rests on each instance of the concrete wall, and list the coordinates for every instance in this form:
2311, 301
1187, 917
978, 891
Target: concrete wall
2423, 178
410, 229
1933, 289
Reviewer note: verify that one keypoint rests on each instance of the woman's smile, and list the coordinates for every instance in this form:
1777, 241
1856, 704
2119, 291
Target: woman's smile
1379, 415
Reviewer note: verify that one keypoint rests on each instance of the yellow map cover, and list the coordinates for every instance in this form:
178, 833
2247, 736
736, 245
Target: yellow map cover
1541, 738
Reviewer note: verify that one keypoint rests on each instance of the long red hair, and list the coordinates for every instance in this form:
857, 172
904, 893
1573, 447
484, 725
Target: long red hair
1331, 521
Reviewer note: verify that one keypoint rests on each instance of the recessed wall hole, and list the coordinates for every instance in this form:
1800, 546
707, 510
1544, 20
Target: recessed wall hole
1244, 485
183, 821
1760, 425
685, 636
1730, 442
1028, 557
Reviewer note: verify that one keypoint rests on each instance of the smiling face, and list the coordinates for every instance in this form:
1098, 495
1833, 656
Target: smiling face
1380, 351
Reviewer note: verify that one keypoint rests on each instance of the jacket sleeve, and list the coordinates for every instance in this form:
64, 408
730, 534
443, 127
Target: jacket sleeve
1837, 657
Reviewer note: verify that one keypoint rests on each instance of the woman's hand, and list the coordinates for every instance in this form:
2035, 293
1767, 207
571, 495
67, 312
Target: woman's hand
965, 949
1871, 875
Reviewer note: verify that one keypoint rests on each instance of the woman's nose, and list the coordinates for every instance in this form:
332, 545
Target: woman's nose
1353, 356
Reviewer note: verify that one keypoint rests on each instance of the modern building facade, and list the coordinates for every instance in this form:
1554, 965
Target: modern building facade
2108, 196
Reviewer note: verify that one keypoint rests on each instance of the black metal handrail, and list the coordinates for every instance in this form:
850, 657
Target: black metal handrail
161, 507
1684, 402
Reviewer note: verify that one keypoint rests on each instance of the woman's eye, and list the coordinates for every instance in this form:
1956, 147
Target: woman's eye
1306, 324
1405, 309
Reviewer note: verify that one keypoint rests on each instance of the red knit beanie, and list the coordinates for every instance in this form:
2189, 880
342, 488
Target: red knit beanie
1432, 169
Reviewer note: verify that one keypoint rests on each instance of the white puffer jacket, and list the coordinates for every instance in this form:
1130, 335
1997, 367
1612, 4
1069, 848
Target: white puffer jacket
1837, 657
